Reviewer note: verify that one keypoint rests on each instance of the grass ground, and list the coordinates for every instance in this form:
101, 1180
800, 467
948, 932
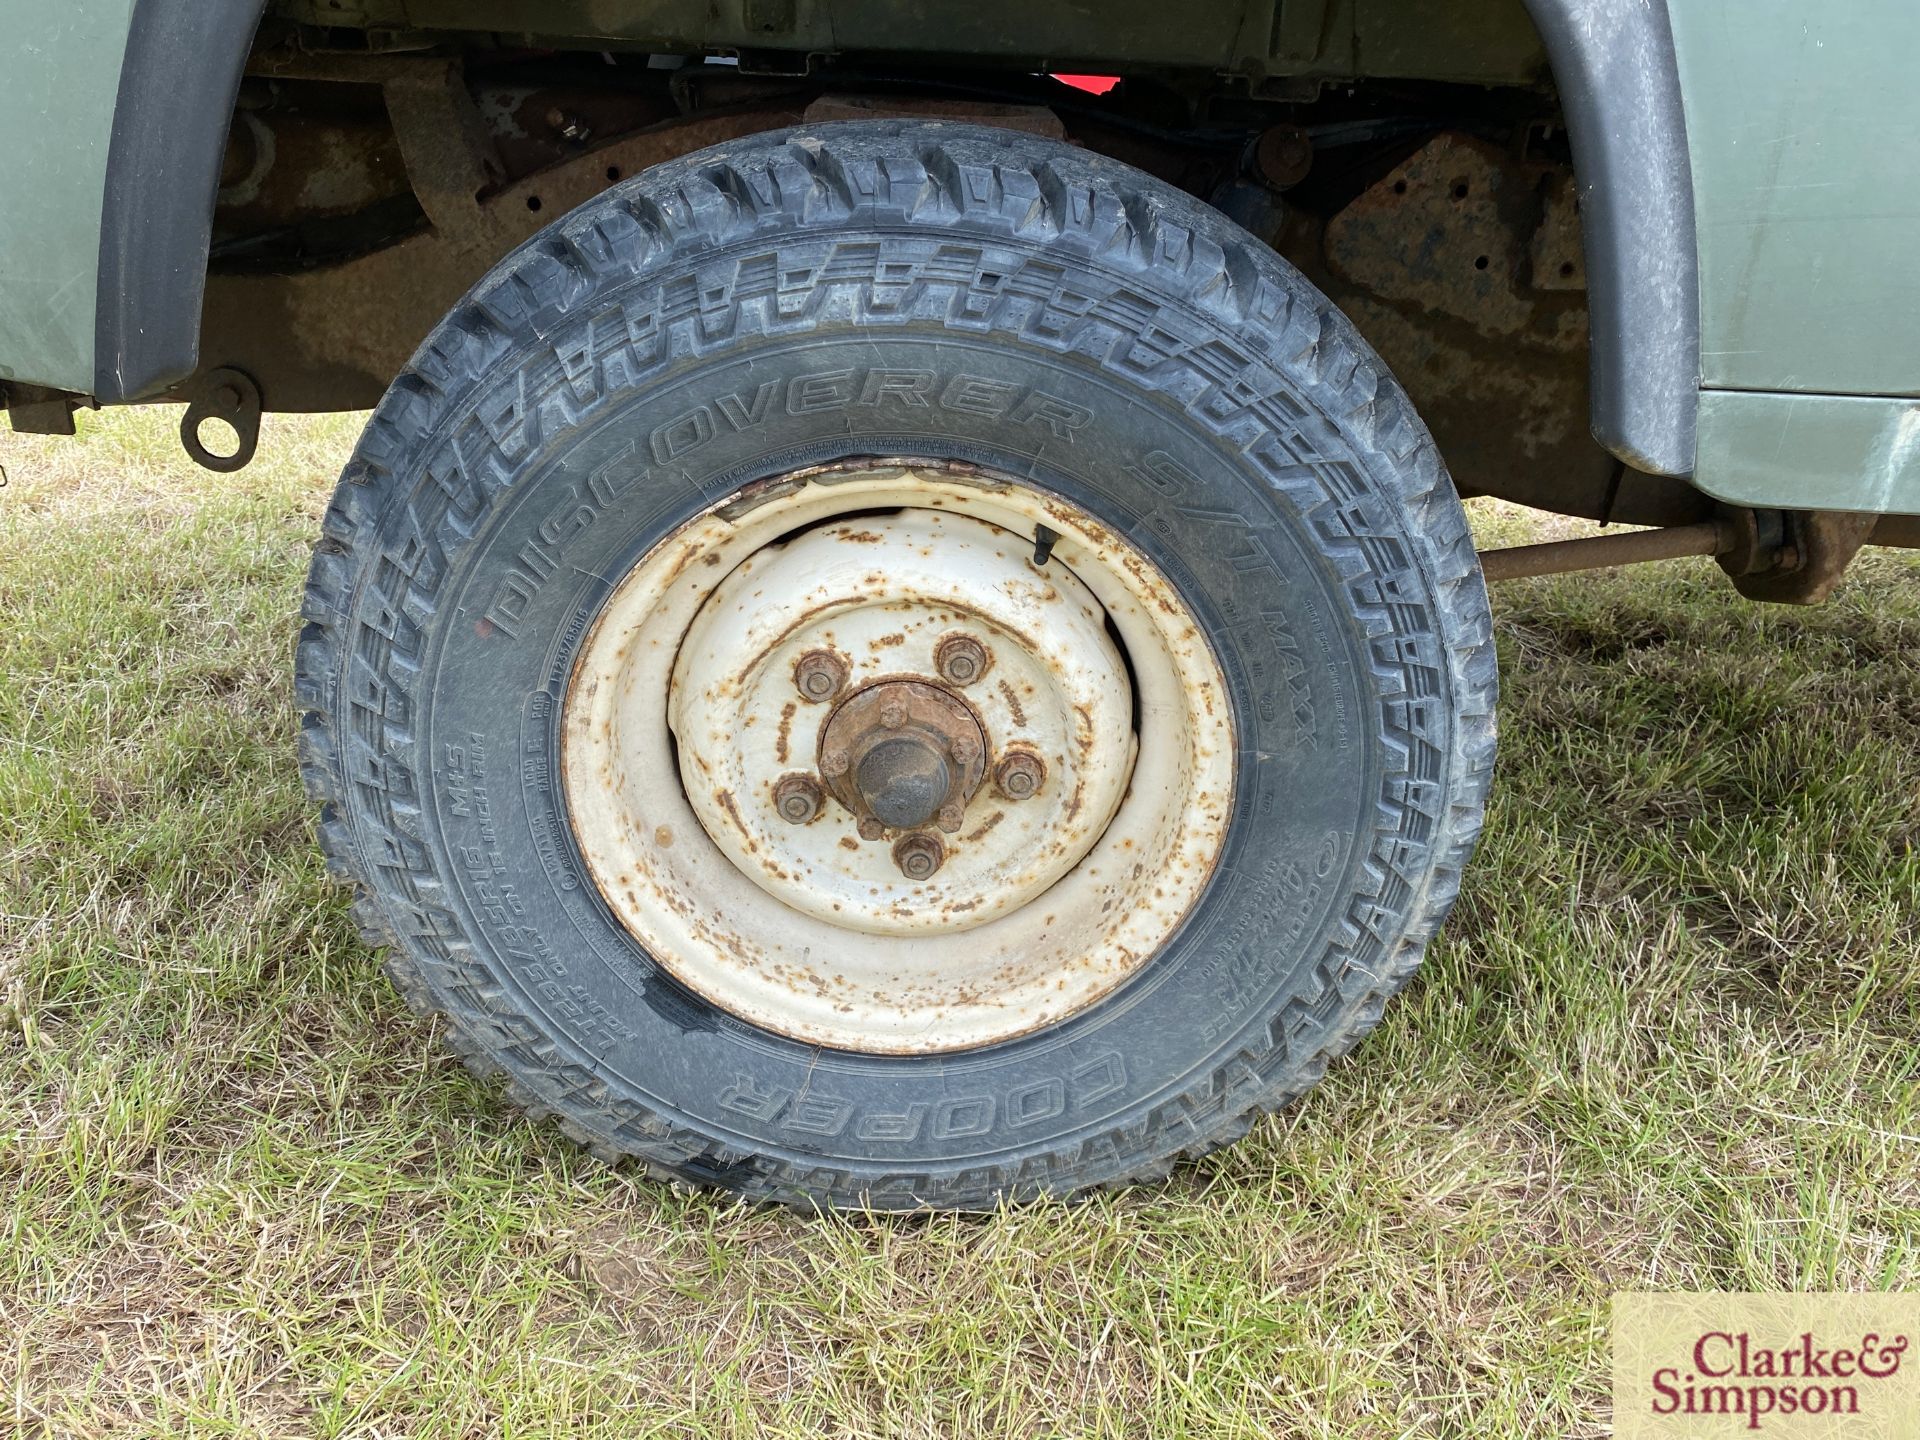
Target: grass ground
1669, 1039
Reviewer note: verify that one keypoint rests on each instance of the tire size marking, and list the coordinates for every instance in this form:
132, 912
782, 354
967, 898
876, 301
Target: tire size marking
1238, 973
500, 911
544, 821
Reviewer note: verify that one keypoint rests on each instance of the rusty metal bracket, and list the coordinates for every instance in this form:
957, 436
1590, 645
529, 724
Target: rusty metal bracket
1816, 549
1901, 532
1462, 265
449, 156
229, 395
37, 411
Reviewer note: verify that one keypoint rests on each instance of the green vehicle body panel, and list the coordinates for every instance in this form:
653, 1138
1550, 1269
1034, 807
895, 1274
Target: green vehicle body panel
1802, 122
1772, 449
58, 86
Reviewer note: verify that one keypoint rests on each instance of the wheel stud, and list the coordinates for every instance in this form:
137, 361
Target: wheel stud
818, 675
960, 659
797, 798
918, 855
1020, 775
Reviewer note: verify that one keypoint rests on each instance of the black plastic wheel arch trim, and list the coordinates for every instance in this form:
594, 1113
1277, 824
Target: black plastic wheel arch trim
179, 84
1619, 81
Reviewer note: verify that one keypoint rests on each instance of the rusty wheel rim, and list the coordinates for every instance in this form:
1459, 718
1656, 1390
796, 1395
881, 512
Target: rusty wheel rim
898, 757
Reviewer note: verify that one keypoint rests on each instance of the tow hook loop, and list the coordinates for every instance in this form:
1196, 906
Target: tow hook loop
227, 395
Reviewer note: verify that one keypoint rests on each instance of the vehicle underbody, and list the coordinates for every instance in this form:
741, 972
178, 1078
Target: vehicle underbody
363, 193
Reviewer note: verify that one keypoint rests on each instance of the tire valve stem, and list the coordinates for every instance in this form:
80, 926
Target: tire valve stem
1043, 543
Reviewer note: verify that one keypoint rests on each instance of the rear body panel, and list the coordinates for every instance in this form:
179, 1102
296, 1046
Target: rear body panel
1775, 449
1803, 122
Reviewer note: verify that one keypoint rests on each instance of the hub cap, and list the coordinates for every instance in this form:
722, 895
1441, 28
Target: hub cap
856, 758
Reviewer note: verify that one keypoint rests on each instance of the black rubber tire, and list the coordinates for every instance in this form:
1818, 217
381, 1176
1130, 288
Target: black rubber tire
1229, 420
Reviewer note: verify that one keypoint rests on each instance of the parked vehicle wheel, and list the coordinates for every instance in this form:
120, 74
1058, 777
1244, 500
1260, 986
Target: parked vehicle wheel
902, 665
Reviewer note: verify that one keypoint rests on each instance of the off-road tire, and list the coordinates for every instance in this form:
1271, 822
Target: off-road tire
1324, 541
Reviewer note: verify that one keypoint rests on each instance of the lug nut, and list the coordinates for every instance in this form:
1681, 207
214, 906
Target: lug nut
1020, 775
951, 818
918, 855
964, 749
797, 798
818, 675
893, 714
960, 659
835, 763
871, 829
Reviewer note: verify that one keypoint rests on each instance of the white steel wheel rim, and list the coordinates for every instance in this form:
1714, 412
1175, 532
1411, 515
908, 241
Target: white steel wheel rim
683, 716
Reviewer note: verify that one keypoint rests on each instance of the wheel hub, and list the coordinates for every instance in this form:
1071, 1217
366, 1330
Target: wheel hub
882, 604
903, 783
902, 754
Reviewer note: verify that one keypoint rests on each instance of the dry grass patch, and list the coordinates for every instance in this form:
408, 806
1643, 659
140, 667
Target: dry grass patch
1668, 1039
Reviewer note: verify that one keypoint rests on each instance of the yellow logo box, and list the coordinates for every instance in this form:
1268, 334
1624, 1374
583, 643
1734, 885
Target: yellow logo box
1786, 1366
